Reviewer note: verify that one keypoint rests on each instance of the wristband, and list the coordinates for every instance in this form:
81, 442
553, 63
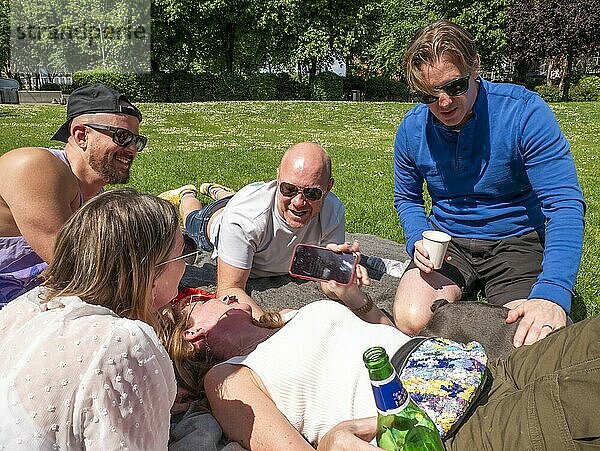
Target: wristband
365, 308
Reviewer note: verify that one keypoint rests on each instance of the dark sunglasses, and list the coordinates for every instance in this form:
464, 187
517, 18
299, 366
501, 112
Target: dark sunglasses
189, 254
288, 190
121, 136
453, 88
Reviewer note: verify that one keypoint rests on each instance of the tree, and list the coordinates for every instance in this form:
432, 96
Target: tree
4, 37
403, 18
304, 36
563, 29
214, 35
53, 35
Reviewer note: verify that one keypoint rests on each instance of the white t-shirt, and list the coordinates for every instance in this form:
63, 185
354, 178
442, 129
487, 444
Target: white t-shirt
77, 376
251, 234
313, 367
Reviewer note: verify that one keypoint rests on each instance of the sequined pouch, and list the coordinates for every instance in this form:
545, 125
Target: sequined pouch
444, 377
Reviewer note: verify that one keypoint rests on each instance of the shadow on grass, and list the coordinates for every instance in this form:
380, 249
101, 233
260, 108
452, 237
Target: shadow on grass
578, 309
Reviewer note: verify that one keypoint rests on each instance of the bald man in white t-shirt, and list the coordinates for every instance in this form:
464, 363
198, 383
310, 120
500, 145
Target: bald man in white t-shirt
252, 233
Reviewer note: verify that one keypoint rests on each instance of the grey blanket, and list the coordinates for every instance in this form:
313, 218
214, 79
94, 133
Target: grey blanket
199, 430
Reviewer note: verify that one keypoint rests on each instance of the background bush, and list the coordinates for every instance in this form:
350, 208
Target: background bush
591, 81
66, 88
587, 89
263, 86
327, 86
203, 87
232, 86
187, 87
153, 87
353, 83
583, 93
50, 87
386, 89
304, 91
287, 88
125, 83
549, 93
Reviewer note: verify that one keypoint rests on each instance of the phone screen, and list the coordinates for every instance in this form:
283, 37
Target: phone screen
320, 263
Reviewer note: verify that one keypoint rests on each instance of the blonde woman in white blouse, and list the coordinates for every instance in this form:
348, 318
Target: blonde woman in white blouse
82, 366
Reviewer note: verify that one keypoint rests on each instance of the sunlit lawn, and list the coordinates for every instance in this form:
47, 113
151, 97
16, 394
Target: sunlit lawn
235, 143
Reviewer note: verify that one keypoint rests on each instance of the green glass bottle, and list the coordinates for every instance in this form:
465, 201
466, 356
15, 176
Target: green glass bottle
401, 424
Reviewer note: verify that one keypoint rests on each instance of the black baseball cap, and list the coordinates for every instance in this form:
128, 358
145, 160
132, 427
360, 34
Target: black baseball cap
96, 98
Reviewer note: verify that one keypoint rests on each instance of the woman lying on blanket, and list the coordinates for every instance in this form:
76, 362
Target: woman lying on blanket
285, 386
82, 366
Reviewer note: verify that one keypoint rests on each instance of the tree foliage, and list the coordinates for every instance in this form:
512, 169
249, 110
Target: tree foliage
402, 19
307, 35
554, 28
53, 35
303, 37
205, 34
4, 37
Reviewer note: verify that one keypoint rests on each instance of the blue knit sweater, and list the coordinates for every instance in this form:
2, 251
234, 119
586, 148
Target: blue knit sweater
507, 172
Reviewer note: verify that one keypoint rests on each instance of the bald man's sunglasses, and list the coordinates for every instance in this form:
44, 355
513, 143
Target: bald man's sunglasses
453, 88
288, 190
121, 136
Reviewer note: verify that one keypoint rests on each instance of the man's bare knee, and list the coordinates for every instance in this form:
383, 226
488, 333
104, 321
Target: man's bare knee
411, 319
415, 294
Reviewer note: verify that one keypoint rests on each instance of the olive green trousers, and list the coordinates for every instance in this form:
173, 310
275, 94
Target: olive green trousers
543, 397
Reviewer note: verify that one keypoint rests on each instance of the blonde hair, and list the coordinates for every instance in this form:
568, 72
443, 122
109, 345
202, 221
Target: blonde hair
192, 364
441, 39
107, 252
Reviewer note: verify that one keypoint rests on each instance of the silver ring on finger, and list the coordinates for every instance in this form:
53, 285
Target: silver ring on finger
550, 326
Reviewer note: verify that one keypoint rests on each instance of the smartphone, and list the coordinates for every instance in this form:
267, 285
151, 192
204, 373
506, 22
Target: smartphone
321, 264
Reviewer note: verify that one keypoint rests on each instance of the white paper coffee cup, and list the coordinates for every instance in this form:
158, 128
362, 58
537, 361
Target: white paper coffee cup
436, 244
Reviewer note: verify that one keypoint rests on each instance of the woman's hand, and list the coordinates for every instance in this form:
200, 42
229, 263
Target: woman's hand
351, 295
349, 292
351, 435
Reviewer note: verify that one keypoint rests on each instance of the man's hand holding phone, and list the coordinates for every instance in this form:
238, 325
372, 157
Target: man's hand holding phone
348, 291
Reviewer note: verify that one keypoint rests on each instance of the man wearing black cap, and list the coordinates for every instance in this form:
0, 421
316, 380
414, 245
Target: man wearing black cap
40, 188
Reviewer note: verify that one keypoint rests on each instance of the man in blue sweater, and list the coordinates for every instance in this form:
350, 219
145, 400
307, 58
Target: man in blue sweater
502, 183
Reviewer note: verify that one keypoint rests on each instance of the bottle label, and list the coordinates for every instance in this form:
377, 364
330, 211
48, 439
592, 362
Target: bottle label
390, 395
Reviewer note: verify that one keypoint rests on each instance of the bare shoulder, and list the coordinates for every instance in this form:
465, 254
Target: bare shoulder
230, 379
222, 374
26, 167
30, 158
38, 193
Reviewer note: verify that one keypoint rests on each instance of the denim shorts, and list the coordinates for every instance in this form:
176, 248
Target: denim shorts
196, 223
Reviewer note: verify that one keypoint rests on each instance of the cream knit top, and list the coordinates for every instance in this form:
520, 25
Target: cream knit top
313, 367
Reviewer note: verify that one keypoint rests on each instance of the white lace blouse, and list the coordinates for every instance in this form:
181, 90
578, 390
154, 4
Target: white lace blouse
77, 376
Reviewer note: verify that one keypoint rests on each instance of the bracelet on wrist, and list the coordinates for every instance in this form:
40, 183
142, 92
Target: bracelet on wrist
366, 308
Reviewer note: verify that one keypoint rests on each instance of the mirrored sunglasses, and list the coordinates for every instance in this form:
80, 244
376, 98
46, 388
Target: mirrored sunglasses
453, 88
121, 136
289, 190
190, 252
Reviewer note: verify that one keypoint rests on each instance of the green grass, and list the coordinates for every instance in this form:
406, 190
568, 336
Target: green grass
235, 143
